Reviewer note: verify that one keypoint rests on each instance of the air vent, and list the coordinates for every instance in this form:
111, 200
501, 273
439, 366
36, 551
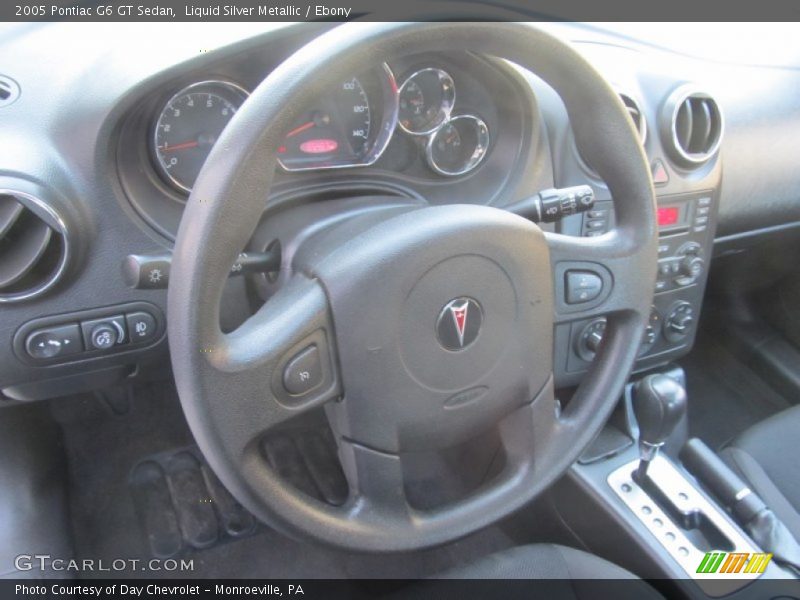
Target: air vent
694, 126
638, 118
9, 91
33, 247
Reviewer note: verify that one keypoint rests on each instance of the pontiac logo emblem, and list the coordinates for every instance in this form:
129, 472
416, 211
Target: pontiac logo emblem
459, 323
460, 319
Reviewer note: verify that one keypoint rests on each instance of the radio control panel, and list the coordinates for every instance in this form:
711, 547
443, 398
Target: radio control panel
683, 223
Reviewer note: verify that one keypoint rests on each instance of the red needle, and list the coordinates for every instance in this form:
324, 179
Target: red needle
300, 129
168, 148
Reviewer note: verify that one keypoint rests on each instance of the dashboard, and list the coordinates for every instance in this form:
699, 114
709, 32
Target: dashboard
97, 162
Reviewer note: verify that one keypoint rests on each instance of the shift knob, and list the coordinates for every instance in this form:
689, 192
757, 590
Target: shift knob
659, 403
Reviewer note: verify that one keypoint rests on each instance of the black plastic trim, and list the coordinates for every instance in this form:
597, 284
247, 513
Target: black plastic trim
87, 315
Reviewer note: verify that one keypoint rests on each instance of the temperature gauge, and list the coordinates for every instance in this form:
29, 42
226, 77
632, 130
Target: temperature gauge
426, 100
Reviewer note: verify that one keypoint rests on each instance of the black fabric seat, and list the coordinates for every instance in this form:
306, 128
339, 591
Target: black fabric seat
766, 457
578, 571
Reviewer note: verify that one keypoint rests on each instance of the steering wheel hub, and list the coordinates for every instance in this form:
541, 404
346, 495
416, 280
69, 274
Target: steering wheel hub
391, 289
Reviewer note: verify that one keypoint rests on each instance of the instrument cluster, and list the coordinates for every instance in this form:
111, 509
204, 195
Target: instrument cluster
349, 126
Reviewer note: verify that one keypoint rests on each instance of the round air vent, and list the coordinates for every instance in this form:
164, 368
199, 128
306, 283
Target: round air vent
693, 126
33, 246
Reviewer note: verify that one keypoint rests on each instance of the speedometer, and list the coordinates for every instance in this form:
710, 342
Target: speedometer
336, 129
350, 125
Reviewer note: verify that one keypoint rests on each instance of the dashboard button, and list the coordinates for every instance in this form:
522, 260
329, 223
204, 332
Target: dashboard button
659, 171
54, 341
102, 334
304, 372
141, 326
692, 266
582, 286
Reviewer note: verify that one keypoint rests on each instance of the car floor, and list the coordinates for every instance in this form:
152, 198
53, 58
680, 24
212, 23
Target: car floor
105, 438
726, 396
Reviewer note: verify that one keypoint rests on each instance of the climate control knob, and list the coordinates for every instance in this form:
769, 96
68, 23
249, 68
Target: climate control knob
690, 266
679, 322
589, 339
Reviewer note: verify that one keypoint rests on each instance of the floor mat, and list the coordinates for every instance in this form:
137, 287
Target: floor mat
725, 396
114, 441
182, 505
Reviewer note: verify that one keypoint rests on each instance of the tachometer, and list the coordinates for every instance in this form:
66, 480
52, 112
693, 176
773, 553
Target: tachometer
189, 125
349, 126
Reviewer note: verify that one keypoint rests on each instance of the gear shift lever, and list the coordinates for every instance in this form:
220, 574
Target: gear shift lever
659, 402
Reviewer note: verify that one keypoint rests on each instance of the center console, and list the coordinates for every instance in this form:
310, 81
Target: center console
686, 234
700, 531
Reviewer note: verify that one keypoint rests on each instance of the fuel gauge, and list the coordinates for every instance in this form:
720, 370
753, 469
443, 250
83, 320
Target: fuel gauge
459, 146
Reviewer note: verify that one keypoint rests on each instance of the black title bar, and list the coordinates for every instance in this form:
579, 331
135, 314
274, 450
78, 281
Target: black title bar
392, 10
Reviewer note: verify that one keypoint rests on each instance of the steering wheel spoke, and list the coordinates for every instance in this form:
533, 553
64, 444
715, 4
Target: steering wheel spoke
278, 364
375, 479
597, 276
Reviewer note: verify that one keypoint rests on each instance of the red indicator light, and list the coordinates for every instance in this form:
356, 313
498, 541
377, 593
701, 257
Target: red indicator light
668, 215
281, 149
320, 146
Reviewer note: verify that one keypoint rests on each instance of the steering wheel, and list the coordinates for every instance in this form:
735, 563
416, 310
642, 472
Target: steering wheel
420, 327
